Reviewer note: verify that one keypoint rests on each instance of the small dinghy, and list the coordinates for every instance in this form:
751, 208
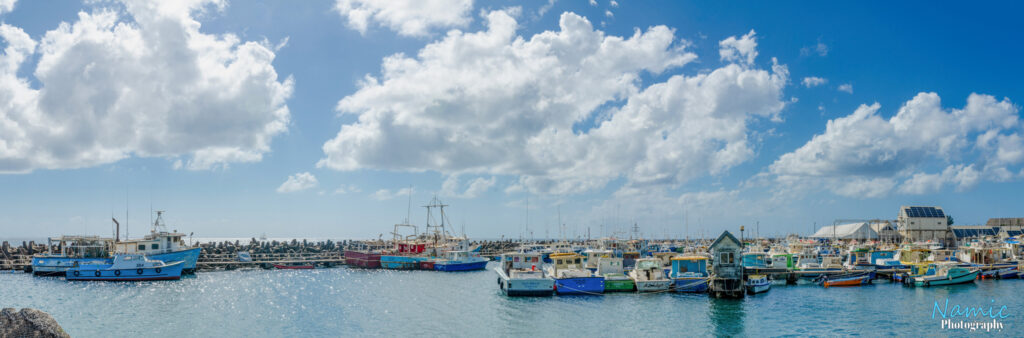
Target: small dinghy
848, 280
758, 284
127, 267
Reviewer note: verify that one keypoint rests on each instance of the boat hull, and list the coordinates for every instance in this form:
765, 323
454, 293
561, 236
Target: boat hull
619, 285
460, 266
579, 286
188, 258
758, 288
653, 285
58, 266
95, 273
962, 279
525, 287
691, 284
359, 259
401, 262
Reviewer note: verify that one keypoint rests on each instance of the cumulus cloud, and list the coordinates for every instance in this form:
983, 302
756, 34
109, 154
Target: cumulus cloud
864, 154
846, 87
6, 6
406, 17
743, 49
168, 90
813, 81
298, 182
562, 110
614, 3
478, 186
385, 194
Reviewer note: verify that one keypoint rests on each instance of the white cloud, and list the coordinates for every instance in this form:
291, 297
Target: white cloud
846, 87
609, 14
820, 48
614, 3
593, 2
495, 103
406, 17
545, 8
813, 81
385, 194
168, 90
6, 6
298, 182
863, 154
739, 50
478, 186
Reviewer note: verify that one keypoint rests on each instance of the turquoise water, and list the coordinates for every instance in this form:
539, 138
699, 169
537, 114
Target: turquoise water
330, 302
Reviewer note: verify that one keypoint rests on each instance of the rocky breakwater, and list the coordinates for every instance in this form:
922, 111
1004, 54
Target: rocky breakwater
29, 323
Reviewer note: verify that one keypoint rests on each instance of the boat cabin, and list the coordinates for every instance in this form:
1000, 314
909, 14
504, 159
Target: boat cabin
757, 259
689, 266
609, 265
593, 255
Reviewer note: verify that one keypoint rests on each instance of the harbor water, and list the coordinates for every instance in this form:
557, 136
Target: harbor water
329, 302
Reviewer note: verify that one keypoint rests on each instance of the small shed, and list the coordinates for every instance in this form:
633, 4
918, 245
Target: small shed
727, 273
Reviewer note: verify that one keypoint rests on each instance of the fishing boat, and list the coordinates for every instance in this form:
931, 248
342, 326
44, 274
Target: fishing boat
946, 273
364, 257
755, 259
758, 284
649, 276
74, 251
294, 266
461, 261
127, 267
571, 277
856, 279
594, 255
615, 280
689, 274
162, 245
520, 275
1007, 273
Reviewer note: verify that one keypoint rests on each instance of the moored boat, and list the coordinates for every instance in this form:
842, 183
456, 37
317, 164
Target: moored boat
520, 275
614, 279
367, 259
571, 277
857, 279
74, 251
689, 274
758, 284
127, 267
649, 276
460, 261
946, 273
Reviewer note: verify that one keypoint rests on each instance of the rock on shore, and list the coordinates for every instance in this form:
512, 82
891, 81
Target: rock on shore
29, 323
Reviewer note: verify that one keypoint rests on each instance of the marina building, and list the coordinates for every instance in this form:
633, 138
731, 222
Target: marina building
918, 223
859, 231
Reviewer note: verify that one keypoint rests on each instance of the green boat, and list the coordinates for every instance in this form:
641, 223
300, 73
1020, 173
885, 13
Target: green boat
946, 273
614, 278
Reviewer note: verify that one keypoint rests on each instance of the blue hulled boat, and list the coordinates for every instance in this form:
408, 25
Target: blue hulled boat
461, 261
571, 277
127, 267
689, 274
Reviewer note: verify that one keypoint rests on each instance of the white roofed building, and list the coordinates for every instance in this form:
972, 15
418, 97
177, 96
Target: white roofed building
861, 231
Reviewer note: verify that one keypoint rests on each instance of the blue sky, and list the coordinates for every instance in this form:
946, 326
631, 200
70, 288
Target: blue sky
308, 119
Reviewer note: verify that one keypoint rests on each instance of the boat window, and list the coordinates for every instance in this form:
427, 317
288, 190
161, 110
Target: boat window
516, 259
577, 261
155, 246
142, 247
535, 260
